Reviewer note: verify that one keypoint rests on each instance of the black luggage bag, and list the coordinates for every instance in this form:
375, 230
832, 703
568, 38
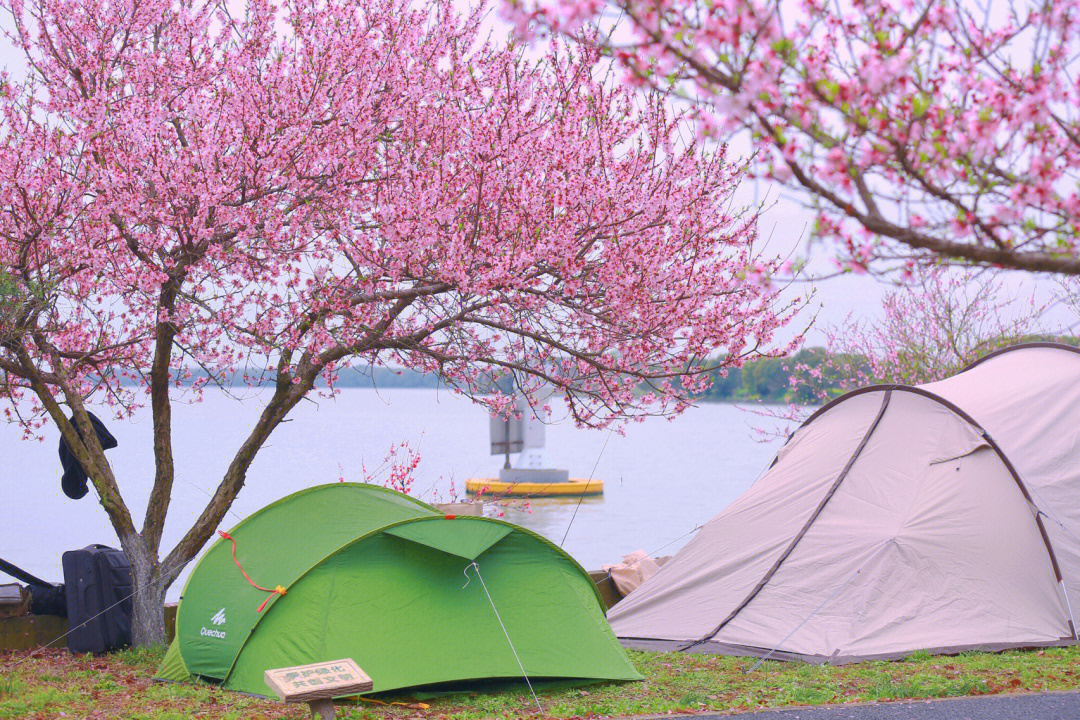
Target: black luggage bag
99, 607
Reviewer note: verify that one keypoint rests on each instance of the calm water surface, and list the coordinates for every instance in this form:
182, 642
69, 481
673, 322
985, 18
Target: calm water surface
661, 479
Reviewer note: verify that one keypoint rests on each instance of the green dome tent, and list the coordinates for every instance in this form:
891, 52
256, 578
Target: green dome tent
350, 570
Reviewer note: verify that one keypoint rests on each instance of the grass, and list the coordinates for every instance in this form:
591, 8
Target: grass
56, 684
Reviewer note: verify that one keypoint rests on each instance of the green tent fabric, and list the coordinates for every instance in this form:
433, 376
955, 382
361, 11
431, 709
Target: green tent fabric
390, 582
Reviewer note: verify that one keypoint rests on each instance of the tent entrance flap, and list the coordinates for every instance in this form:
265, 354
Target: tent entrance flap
465, 537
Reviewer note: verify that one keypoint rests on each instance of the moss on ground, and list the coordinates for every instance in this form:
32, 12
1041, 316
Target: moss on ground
55, 684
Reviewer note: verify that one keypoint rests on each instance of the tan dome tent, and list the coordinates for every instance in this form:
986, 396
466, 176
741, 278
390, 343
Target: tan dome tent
942, 517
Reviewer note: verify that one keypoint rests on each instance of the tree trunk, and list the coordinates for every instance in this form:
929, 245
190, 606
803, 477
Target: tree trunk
148, 603
148, 621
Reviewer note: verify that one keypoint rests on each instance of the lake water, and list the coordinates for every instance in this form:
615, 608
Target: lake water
661, 479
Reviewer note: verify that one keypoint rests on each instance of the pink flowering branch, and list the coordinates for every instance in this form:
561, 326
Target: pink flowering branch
918, 129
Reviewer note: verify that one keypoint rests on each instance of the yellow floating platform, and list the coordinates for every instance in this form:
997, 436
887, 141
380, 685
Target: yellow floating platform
491, 486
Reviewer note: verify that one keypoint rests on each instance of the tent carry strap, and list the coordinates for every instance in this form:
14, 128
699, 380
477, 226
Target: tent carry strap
800, 625
276, 591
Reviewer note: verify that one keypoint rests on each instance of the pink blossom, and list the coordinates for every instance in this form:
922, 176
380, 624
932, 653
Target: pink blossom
886, 106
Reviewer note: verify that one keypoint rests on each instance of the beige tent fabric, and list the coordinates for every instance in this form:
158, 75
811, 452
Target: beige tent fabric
1036, 422
927, 542
708, 578
933, 553
636, 568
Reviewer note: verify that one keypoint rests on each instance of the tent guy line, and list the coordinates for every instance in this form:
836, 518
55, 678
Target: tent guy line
498, 617
805, 528
354, 589
818, 609
582, 496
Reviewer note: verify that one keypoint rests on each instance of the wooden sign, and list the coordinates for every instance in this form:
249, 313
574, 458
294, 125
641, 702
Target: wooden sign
318, 682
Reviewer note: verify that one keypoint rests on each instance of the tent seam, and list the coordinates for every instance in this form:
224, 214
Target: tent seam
447, 552
1020, 346
601, 621
966, 417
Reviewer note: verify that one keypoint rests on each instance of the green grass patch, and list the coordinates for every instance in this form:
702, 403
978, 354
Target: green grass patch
55, 684
9, 686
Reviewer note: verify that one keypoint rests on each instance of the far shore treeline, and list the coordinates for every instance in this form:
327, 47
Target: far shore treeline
762, 380
352, 377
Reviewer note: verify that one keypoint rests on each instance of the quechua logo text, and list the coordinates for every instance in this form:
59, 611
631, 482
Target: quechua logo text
217, 619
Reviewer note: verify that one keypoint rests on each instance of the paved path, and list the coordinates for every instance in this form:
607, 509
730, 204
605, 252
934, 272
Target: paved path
1027, 706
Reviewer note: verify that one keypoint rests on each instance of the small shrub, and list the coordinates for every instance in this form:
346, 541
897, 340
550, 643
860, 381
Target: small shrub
10, 687
692, 698
887, 689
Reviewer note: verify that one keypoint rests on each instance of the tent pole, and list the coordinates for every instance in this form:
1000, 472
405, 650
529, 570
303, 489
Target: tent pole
1061, 580
806, 526
1068, 606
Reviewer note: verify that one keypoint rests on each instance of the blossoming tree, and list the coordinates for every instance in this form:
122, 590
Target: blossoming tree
933, 326
187, 192
948, 129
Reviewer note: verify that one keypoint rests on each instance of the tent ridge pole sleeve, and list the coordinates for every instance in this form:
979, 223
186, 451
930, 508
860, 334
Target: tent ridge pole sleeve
806, 526
1020, 484
269, 608
886, 388
515, 528
964, 415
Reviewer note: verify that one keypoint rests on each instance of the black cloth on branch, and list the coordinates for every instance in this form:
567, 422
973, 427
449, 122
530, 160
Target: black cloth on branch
74, 480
